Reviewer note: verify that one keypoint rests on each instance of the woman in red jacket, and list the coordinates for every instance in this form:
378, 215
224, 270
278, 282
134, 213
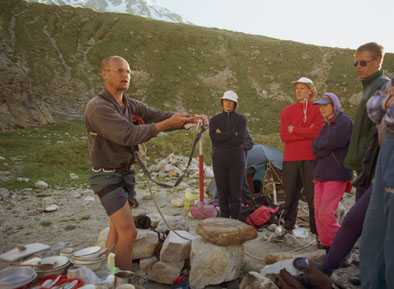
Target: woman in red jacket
300, 124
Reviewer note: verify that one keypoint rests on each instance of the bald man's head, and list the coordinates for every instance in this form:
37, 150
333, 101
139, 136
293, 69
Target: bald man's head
115, 71
106, 62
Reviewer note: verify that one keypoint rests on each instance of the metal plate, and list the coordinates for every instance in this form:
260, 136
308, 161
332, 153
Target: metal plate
56, 261
87, 251
14, 277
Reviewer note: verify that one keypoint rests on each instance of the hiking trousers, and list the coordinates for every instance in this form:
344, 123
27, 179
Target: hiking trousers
328, 194
377, 239
298, 175
229, 171
348, 233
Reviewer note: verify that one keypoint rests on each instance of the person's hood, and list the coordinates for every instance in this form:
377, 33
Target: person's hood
332, 98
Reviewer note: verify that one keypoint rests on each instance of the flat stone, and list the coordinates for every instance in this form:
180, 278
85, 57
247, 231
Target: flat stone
225, 232
175, 248
211, 264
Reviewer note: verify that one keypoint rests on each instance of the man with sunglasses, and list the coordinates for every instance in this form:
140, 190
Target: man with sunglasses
362, 153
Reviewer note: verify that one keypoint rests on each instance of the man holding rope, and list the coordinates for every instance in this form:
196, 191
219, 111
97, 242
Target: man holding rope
116, 124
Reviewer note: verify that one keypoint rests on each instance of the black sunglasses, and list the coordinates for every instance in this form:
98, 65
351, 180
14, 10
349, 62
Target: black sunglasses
362, 63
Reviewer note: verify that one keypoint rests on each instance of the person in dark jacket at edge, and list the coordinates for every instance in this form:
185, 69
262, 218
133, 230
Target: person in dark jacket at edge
362, 154
331, 178
228, 131
300, 124
376, 243
116, 124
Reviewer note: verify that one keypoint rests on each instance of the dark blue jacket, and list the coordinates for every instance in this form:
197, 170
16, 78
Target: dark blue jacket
330, 149
228, 131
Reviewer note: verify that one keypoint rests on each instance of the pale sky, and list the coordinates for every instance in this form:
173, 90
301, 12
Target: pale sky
333, 23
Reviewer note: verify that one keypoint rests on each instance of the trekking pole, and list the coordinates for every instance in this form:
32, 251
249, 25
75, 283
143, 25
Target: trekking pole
201, 170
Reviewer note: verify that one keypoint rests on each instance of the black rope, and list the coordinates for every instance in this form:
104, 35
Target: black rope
185, 171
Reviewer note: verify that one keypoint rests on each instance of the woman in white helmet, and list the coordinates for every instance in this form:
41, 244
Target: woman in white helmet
228, 131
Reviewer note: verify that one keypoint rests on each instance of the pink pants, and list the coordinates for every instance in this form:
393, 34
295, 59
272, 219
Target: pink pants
328, 194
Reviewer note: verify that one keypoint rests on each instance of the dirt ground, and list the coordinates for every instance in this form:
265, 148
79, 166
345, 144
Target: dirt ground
80, 217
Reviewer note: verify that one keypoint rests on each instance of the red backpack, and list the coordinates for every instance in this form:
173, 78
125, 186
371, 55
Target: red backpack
261, 216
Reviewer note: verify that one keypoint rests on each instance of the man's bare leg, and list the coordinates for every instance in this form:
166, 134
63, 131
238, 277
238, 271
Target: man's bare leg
126, 233
112, 238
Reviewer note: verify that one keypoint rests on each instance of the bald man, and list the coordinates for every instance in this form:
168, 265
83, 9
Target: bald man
116, 124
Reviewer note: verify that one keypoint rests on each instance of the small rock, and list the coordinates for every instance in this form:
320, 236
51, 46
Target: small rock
22, 179
4, 193
46, 223
41, 185
89, 199
51, 208
70, 227
74, 176
2, 158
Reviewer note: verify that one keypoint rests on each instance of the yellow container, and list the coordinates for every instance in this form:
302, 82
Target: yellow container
189, 200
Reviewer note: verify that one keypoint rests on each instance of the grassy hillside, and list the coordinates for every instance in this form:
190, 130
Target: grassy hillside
56, 52
174, 65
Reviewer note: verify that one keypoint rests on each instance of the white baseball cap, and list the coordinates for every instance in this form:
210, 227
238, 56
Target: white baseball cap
230, 95
304, 80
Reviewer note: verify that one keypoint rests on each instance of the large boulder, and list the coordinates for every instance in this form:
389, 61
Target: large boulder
225, 232
211, 264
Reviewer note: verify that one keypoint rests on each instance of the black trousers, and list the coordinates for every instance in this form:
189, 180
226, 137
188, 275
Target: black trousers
229, 171
298, 175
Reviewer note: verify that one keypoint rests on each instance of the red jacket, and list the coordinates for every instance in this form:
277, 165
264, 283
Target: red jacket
307, 122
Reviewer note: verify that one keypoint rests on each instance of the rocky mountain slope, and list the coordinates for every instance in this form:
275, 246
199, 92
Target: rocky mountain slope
145, 8
49, 59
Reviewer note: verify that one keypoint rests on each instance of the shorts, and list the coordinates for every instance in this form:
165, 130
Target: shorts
114, 199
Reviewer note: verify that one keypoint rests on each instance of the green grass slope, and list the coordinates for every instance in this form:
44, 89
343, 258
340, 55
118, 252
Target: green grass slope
175, 66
